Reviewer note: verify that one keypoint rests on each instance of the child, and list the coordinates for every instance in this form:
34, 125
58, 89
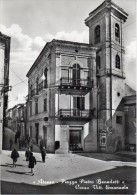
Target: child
32, 163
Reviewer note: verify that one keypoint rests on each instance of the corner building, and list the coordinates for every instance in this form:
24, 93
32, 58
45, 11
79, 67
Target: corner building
62, 106
76, 90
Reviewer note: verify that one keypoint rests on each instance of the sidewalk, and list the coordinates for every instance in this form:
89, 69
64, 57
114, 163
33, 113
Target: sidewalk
56, 167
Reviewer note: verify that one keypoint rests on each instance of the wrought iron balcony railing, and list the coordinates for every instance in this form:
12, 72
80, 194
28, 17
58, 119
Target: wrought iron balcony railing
70, 82
75, 113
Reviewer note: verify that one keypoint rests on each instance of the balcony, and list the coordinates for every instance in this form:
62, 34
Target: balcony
74, 114
71, 86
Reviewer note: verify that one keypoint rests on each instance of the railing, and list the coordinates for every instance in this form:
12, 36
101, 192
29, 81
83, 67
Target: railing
76, 82
75, 113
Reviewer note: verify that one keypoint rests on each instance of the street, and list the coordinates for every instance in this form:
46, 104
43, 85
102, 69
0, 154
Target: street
67, 174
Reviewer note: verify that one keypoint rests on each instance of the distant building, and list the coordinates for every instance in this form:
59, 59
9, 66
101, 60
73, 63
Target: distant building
76, 90
16, 119
4, 80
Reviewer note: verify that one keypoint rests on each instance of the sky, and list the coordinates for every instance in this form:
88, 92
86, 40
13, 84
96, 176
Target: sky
32, 23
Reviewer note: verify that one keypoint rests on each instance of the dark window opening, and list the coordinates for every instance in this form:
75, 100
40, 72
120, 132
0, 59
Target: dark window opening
117, 61
117, 32
118, 94
36, 107
45, 104
97, 34
119, 119
45, 74
37, 132
37, 82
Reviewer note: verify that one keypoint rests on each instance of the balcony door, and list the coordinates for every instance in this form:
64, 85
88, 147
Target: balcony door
76, 74
78, 105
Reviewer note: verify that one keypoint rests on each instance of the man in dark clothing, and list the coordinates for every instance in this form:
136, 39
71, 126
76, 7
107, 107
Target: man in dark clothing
14, 156
41, 145
27, 154
32, 162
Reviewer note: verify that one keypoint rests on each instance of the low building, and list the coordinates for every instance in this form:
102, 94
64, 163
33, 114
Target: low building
16, 119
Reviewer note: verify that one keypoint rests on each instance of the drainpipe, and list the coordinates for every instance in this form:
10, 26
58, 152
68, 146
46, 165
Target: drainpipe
110, 68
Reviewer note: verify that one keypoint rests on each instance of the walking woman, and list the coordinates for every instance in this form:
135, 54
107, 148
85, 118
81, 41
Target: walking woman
27, 154
14, 156
32, 162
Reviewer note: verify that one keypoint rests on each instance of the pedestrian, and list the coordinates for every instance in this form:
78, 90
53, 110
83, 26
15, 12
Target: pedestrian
28, 140
43, 154
11, 143
41, 145
27, 154
32, 162
14, 156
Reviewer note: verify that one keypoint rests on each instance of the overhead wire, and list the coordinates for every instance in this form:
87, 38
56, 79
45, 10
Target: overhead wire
18, 76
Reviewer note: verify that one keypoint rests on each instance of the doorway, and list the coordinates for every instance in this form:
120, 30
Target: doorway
37, 132
45, 136
75, 142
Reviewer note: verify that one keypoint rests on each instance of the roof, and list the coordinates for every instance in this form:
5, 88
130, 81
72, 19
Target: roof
129, 91
58, 43
106, 4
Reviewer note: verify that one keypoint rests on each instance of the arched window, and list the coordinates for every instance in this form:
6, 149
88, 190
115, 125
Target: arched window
76, 74
117, 32
97, 34
45, 74
117, 62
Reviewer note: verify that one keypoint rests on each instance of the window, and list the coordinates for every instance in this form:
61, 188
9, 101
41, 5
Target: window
64, 75
45, 74
37, 81
117, 62
36, 107
79, 103
97, 34
45, 104
37, 132
119, 119
117, 32
76, 74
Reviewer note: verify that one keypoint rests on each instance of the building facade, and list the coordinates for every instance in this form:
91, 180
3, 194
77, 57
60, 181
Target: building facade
4, 80
17, 119
76, 90
130, 122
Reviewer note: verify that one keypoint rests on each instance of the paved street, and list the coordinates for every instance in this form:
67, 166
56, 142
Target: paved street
50, 176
